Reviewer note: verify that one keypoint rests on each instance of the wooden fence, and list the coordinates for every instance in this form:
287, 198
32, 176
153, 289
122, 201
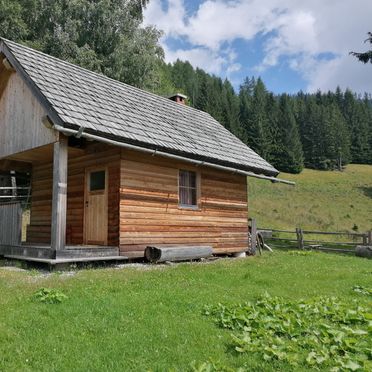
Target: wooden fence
11, 224
301, 239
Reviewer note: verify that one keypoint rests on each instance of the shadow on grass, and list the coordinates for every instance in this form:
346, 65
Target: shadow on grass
366, 190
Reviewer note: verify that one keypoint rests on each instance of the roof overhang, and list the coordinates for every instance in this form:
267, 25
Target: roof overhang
80, 133
59, 125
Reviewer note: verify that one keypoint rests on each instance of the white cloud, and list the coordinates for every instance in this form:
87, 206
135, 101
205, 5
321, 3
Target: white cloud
342, 71
298, 31
200, 57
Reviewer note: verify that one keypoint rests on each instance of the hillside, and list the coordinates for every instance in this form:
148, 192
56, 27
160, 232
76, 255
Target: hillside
325, 200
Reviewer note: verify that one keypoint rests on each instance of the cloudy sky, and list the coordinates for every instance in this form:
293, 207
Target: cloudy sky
291, 44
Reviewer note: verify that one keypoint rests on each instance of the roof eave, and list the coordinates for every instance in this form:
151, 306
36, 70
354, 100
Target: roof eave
51, 112
263, 174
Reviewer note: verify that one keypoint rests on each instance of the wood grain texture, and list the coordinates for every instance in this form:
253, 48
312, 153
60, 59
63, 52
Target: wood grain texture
21, 127
11, 224
150, 213
59, 194
96, 211
95, 155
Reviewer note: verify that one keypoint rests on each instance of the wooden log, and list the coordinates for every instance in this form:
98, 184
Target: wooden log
177, 253
364, 251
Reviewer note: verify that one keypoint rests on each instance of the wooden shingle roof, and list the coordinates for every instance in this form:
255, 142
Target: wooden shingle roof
111, 109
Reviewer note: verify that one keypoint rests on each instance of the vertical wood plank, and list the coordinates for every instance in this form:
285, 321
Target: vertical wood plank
11, 224
300, 238
253, 235
59, 201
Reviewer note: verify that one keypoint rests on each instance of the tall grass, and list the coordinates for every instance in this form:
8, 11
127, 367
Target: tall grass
321, 200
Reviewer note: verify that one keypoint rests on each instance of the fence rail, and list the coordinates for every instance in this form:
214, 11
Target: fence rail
318, 244
15, 193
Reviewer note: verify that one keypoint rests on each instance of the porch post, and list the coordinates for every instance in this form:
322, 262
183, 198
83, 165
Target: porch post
59, 202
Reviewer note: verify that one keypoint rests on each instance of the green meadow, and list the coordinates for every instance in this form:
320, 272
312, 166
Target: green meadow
152, 318
321, 200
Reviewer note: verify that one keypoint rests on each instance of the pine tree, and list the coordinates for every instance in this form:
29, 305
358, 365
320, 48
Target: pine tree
272, 132
357, 121
230, 109
289, 156
258, 124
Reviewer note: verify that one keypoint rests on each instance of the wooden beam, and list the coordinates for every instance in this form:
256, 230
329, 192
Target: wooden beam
8, 65
4, 78
253, 236
59, 200
7, 165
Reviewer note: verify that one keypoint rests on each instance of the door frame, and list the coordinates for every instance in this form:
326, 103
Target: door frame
89, 170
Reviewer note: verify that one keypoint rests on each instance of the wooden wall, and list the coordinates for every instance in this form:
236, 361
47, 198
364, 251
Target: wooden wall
41, 207
149, 211
143, 196
21, 126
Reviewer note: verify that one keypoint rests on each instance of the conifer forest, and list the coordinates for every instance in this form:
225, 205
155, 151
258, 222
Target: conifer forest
323, 130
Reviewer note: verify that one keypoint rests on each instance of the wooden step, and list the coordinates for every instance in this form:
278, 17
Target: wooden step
88, 252
67, 260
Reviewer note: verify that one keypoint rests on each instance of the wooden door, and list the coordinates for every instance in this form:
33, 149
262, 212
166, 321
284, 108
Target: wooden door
96, 214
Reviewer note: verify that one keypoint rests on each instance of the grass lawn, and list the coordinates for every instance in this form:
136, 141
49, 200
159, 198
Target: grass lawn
136, 319
321, 200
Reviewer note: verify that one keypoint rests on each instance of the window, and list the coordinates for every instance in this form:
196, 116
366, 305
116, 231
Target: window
97, 180
188, 193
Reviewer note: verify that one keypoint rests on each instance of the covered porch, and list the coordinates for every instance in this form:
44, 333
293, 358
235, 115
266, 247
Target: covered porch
73, 204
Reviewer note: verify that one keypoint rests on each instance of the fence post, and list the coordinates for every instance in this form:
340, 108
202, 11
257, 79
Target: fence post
300, 238
369, 239
253, 235
365, 238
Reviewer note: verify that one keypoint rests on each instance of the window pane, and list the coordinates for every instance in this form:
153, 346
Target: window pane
192, 179
187, 188
97, 180
183, 178
193, 196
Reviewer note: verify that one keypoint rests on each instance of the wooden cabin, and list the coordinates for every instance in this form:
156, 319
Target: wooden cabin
115, 168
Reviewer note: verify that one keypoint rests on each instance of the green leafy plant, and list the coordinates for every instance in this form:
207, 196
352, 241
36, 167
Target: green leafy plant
362, 290
49, 296
320, 333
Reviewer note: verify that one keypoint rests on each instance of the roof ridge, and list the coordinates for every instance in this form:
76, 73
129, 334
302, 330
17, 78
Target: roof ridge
103, 76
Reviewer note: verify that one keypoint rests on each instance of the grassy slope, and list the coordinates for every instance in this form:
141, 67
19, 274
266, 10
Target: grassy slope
151, 320
330, 201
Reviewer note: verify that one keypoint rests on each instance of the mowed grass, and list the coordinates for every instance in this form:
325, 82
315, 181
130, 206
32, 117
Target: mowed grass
321, 200
132, 319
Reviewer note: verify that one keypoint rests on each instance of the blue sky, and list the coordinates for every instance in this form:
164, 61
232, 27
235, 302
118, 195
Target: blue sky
292, 44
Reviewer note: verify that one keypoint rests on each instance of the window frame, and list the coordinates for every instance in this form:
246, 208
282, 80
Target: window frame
197, 190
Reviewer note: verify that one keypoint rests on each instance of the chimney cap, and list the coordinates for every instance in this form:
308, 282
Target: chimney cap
175, 95
179, 98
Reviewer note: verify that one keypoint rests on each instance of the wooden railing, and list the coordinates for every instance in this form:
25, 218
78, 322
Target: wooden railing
301, 241
11, 224
13, 192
